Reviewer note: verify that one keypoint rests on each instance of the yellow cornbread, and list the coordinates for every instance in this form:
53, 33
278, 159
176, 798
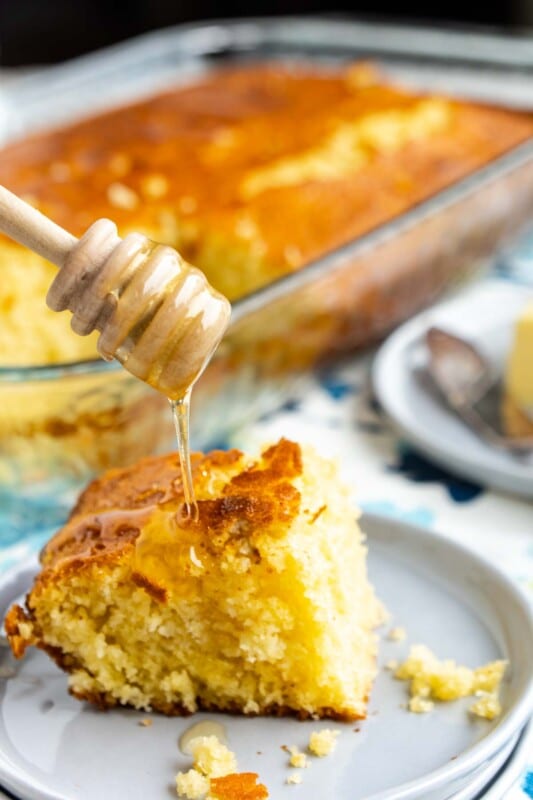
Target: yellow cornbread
518, 399
432, 679
418, 705
294, 778
192, 785
297, 758
322, 743
30, 332
261, 606
213, 775
211, 759
397, 634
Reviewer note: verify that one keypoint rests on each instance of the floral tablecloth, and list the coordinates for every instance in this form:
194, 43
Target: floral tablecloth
340, 417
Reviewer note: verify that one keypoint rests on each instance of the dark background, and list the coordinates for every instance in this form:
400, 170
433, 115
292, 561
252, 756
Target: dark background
38, 32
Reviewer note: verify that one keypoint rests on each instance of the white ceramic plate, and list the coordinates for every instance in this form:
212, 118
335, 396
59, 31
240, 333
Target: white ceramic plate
501, 772
483, 776
54, 748
512, 769
484, 314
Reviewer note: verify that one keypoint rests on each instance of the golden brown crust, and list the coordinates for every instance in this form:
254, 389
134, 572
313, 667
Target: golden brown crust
192, 151
147, 482
105, 702
114, 508
238, 786
14, 617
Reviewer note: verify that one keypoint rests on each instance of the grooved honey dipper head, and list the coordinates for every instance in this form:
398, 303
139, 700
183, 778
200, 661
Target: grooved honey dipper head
156, 314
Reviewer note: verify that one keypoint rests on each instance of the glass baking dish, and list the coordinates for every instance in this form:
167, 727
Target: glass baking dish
94, 415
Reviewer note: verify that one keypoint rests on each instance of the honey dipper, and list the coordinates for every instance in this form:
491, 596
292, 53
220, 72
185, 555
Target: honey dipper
157, 315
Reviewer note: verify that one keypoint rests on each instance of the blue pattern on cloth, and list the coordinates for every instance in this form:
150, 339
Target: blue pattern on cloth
516, 262
418, 469
416, 516
527, 785
337, 387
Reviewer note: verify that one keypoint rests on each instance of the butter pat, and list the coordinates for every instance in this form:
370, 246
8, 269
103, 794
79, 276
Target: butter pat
519, 379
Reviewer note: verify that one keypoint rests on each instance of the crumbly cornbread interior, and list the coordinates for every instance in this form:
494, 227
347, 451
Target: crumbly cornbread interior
250, 172
262, 606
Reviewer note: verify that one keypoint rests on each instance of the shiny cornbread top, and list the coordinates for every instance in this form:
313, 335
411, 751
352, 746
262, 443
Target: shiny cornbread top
252, 172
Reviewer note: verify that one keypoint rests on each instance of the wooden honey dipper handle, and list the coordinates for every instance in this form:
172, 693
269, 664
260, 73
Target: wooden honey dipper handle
29, 227
156, 314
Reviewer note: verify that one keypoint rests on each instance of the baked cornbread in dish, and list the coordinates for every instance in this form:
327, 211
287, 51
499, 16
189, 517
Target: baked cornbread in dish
249, 172
263, 606
517, 410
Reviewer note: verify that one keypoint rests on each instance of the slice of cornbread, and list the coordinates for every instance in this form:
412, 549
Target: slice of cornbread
517, 407
261, 606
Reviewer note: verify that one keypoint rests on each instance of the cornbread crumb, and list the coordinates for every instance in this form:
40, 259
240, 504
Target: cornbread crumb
297, 758
432, 679
397, 634
392, 665
489, 677
322, 743
146, 722
294, 778
212, 761
239, 786
121, 196
211, 757
488, 706
192, 785
420, 706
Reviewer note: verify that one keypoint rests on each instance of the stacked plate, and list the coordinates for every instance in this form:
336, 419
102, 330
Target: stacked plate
54, 748
485, 316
